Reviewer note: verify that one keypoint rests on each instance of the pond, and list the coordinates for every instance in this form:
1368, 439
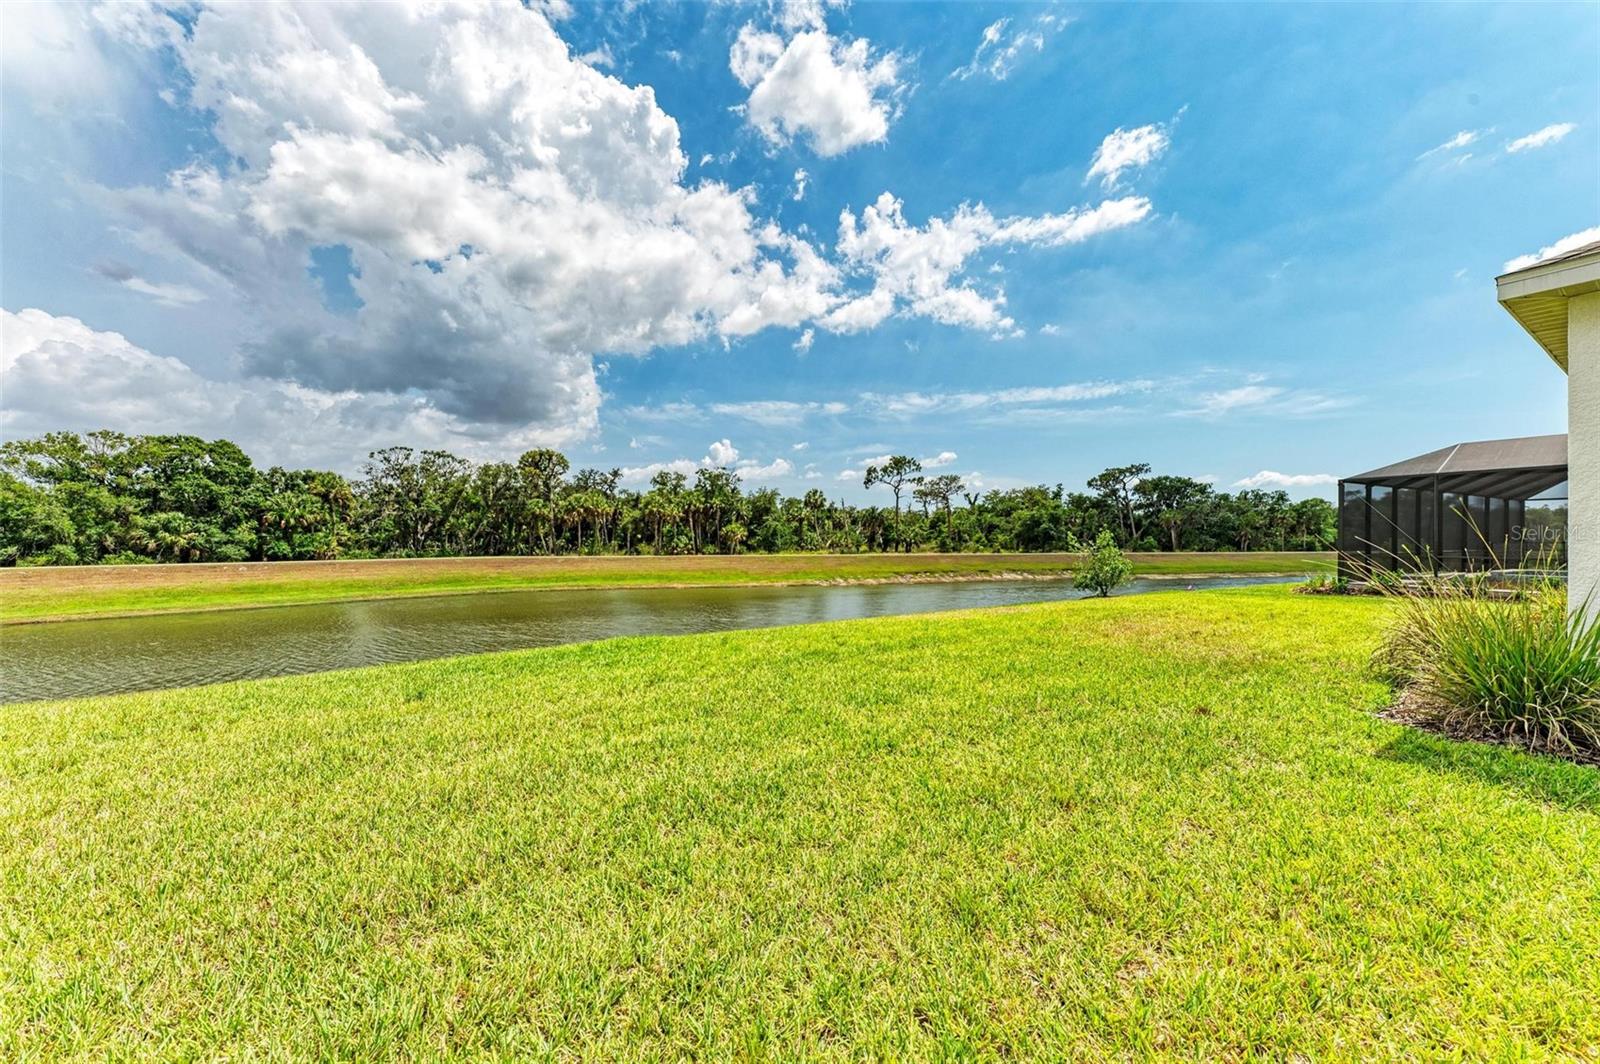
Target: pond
64, 660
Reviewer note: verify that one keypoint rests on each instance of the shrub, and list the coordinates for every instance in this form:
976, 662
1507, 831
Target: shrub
1104, 569
60, 554
1514, 668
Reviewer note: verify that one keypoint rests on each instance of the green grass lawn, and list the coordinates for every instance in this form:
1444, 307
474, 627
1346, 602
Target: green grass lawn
108, 590
1108, 829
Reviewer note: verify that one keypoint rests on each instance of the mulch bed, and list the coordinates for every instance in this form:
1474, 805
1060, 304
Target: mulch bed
1411, 709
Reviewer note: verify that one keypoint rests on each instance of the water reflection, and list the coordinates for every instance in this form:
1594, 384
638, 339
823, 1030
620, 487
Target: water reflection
179, 650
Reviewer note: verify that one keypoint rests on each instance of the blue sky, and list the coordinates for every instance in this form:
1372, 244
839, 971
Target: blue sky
1230, 241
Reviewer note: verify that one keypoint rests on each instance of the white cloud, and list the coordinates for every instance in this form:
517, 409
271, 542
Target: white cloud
642, 474
599, 57
722, 455
1263, 398
1461, 140
791, 412
776, 411
800, 178
1540, 138
1246, 395
802, 445
805, 14
1128, 149
835, 95
1050, 329
678, 411
753, 472
916, 404
1560, 247
61, 374
804, 340
860, 465
999, 52
166, 294
69, 59
914, 268
1269, 479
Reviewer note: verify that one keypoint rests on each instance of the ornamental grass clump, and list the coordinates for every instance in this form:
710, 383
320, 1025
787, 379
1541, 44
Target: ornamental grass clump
1515, 668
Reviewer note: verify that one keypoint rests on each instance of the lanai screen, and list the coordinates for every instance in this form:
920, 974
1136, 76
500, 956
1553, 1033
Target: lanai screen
1493, 504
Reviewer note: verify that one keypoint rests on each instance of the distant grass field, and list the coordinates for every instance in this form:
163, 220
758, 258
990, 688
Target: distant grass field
49, 593
1157, 826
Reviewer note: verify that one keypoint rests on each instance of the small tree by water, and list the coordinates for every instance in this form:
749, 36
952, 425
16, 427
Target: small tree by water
1105, 568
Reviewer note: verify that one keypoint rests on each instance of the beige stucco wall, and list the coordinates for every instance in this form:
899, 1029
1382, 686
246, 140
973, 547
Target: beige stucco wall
1583, 450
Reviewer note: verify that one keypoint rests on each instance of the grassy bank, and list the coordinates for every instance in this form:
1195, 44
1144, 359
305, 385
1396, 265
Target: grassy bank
1157, 825
50, 593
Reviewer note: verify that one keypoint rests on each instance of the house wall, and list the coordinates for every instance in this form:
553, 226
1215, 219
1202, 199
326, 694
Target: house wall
1583, 452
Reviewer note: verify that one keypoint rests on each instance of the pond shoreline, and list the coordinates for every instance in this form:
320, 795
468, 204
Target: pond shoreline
996, 575
186, 649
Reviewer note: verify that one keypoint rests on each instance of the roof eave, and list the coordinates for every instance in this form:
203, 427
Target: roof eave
1537, 298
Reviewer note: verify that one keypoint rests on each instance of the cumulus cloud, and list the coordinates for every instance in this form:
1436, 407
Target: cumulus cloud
1540, 138
64, 57
509, 210
62, 374
800, 179
833, 94
1571, 242
804, 341
805, 14
1001, 48
642, 474
509, 213
1128, 149
1270, 479
914, 268
754, 472
721, 454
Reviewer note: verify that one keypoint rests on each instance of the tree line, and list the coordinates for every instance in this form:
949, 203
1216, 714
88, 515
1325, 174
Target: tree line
107, 497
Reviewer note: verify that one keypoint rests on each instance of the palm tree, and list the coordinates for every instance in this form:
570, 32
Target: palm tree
815, 504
